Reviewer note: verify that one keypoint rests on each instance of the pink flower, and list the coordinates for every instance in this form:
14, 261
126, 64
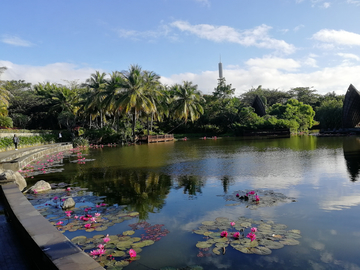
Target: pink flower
35, 192
224, 234
101, 251
101, 246
68, 214
93, 219
55, 198
252, 236
98, 205
254, 229
76, 217
85, 219
89, 216
106, 239
232, 223
237, 195
257, 198
236, 235
68, 189
94, 253
132, 253
103, 204
252, 192
97, 214
87, 226
59, 223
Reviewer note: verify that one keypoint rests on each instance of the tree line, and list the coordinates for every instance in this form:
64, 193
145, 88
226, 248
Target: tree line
134, 102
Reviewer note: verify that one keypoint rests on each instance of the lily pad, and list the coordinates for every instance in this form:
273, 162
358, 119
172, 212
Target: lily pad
203, 244
290, 242
128, 233
261, 251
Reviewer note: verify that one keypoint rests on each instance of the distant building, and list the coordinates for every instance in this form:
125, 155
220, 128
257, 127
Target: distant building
351, 108
220, 70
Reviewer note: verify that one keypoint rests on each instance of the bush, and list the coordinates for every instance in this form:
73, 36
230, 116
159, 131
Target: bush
79, 141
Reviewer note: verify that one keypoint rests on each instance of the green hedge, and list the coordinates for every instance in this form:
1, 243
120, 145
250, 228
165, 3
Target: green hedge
7, 142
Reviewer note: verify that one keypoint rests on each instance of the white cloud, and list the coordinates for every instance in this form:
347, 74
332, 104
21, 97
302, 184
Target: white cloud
340, 37
354, 2
297, 28
326, 5
324, 80
54, 73
163, 30
257, 36
204, 2
349, 56
274, 63
15, 41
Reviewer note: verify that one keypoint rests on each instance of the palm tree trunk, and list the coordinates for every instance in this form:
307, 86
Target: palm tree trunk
152, 121
147, 124
133, 125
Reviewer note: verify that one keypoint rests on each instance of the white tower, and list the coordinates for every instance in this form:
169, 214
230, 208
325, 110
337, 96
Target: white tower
220, 70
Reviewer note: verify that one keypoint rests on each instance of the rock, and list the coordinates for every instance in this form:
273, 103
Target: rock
40, 186
9, 176
68, 203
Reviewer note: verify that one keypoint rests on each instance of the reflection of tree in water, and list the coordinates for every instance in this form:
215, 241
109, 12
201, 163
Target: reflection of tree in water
351, 148
192, 185
142, 191
225, 183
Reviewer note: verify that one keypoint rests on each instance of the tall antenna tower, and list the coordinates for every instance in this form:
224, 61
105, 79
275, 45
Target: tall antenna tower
220, 69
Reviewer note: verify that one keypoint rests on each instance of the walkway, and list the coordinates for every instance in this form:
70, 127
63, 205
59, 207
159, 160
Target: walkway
13, 252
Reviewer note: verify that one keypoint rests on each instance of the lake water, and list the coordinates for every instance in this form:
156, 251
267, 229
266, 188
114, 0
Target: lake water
182, 184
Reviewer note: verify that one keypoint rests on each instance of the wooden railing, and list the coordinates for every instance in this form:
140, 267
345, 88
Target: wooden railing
157, 138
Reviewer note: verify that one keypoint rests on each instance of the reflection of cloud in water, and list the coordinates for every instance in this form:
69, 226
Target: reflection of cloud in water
339, 203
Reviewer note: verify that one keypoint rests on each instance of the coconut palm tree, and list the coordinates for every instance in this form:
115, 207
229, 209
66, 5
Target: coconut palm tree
134, 94
96, 85
186, 102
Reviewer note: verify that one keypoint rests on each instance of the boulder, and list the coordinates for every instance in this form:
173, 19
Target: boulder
68, 203
9, 176
40, 186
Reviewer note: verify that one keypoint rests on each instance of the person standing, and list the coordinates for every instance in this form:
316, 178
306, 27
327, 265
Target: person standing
60, 136
16, 141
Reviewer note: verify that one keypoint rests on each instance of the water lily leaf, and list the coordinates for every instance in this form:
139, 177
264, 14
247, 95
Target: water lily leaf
293, 235
119, 220
295, 231
221, 245
98, 236
279, 226
221, 240
203, 244
244, 250
264, 227
128, 233
216, 251
222, 219
118, 253
214, 235
148, 242
290, 242
246, 224
79, 239
100, 229
124, 238
122, 263
202, 232
261, 250
123, 245
208, 223
138, 245
274, 245
136, 239
89, 246
133, 214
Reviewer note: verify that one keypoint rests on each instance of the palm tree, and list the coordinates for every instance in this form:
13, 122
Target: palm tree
186, 102
96, 85
134, 94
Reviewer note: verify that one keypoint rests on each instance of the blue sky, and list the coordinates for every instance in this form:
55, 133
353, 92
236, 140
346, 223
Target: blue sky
279, 44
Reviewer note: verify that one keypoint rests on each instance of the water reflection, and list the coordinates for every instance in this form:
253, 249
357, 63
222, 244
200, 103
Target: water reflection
191, 185
142, 191
351, 148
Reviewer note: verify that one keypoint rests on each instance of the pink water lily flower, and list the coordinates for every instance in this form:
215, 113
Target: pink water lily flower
55, 198
252, 192
87, 226
101, 246
254, 229
224, 234
106, 239
97, 214
59, 223
252, 236
257, 198
132, 253
232, 223
236, 235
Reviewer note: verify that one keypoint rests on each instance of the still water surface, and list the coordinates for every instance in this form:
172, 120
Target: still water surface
181, 184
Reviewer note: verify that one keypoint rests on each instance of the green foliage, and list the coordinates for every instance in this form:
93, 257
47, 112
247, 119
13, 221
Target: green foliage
7, 142
329, 114
301, 116
80, 141
6, 122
